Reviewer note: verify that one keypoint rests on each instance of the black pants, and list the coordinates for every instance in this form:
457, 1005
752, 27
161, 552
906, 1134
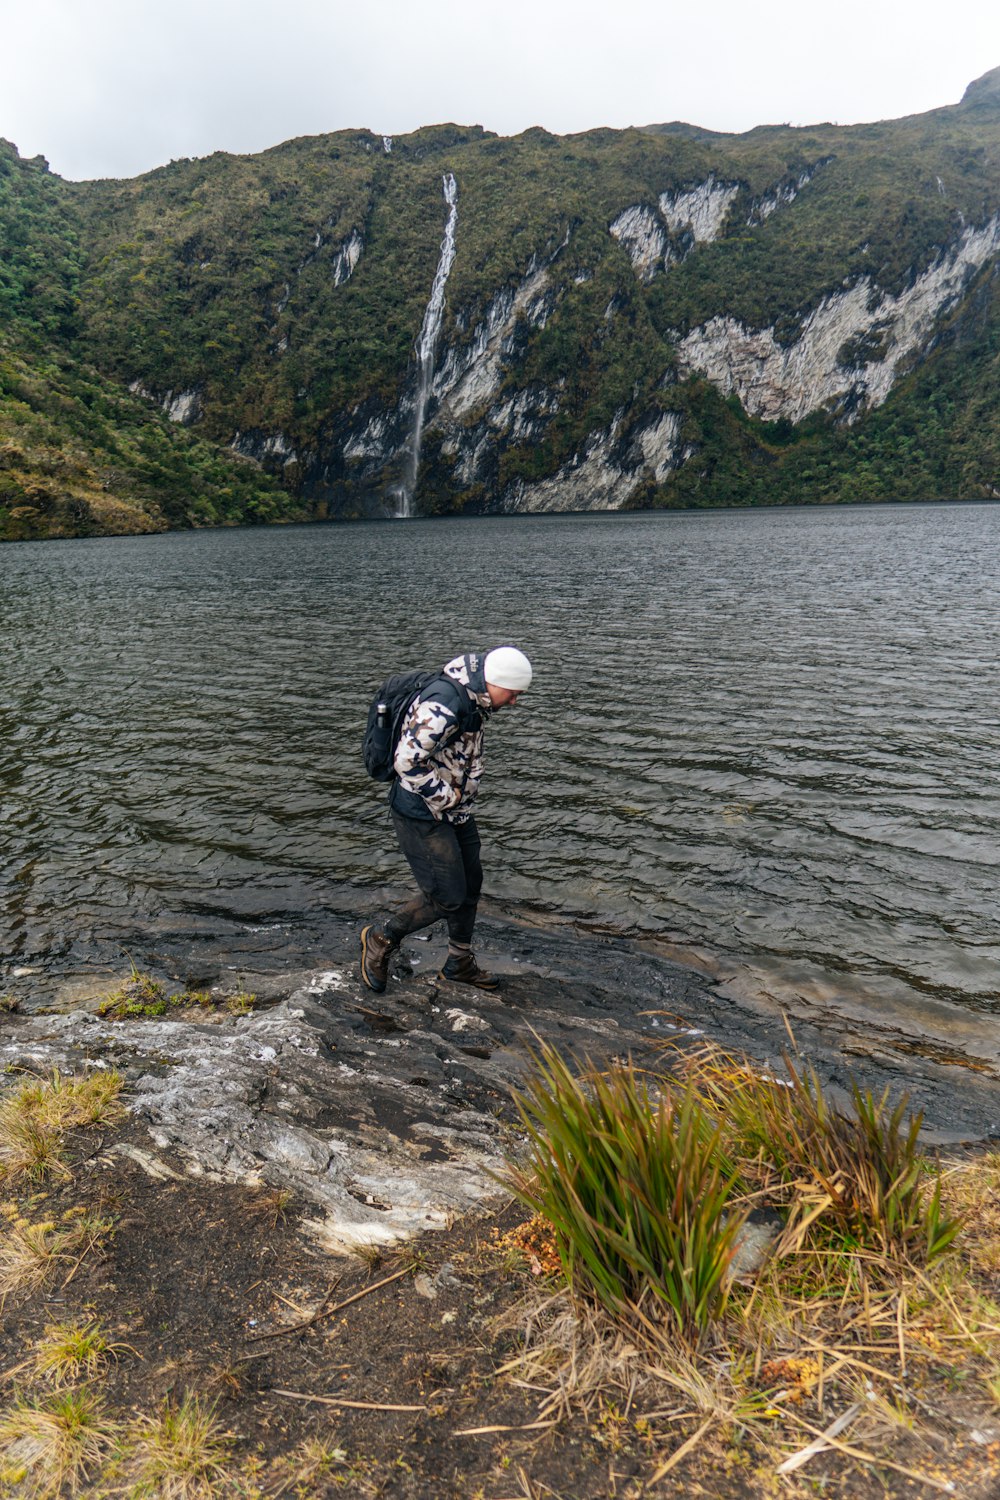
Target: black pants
444, 858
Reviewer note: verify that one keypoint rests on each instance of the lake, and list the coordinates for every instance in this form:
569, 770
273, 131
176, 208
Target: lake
766, 741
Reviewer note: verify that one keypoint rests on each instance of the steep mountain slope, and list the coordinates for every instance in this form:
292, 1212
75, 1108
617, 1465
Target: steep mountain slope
656, 317
79, 455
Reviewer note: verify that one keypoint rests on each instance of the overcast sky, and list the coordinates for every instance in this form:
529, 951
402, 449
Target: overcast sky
112, 88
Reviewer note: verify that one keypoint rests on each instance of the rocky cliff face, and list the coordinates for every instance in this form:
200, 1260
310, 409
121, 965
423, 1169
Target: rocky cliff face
632, 318
852, 347
851, 350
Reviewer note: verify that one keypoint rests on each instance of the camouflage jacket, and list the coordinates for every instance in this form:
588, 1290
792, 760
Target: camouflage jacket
438, 777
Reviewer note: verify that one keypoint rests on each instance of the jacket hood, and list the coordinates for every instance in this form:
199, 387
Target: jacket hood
469, 671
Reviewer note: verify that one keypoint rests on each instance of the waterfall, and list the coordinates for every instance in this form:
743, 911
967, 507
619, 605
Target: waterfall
426, 346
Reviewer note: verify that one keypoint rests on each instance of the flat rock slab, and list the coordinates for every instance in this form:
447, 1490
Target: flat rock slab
391, 1113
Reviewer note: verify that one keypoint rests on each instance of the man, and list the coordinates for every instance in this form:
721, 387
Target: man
438, 765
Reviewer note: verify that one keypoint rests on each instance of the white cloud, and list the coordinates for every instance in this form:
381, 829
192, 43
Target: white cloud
105, 87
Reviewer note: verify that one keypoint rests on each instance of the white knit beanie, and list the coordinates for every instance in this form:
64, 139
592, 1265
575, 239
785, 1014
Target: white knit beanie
506, 667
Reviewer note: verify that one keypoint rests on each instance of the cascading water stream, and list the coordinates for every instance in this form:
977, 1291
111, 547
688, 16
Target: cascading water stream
427, 345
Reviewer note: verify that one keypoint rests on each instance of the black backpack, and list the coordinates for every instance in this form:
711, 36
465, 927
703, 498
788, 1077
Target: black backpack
392, 703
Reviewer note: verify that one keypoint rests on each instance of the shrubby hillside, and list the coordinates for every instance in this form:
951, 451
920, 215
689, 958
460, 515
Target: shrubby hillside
657, 317
79, 454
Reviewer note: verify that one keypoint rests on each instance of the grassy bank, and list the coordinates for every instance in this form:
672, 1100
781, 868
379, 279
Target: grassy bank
166, 1335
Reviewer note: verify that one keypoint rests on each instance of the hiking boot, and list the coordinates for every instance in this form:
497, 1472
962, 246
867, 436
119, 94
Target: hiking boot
376, 951
465, 970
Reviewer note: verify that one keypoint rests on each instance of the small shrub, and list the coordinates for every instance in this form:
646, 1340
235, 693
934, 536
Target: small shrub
181, 1453
636, 1190
531, 1245
36, 1116
850, 1180
9, 1005
140, 997
241, 1002
69, 1352
58, 1439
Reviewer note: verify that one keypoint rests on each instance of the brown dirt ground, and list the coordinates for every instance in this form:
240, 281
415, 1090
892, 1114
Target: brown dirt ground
195, 1276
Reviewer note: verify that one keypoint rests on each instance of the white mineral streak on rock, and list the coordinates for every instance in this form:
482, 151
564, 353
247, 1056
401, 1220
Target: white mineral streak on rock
276, 445
596, 480
205, 1109
331, 979
702, 209
639, 232
463, 1020
370, 443
781, 196
347, 258
185, 407
773, 382
659, 445
470, 375
519, 417
150, 1164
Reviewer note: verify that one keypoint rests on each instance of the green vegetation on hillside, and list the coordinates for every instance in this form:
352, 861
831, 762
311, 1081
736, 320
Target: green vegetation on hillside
79, 456
40, 253
227, 281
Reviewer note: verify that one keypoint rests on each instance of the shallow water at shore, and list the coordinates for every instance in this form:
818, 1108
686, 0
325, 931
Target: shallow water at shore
767, 741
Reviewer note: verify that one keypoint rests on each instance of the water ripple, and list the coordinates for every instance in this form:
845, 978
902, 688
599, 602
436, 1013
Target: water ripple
769, 737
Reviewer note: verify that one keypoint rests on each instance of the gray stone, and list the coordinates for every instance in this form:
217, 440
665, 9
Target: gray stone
390, 1114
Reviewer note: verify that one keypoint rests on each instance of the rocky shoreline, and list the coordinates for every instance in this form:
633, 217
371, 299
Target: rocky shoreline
390, 1114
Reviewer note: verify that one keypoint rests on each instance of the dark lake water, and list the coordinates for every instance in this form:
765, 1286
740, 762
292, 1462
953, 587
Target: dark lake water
767, 739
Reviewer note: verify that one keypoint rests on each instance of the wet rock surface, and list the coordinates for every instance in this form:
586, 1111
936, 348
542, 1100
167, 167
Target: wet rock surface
389, 1113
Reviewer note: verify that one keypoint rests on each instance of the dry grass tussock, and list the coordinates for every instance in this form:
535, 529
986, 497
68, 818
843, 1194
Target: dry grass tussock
782, 1369
877, 1301
51, 1444
852, 1179
971, 1190
182, 1452
315, 1463
72, 1351
37, 1116
57, 1442
32, 1255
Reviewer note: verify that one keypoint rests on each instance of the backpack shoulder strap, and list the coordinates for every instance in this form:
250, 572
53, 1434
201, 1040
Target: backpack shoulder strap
456, 697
